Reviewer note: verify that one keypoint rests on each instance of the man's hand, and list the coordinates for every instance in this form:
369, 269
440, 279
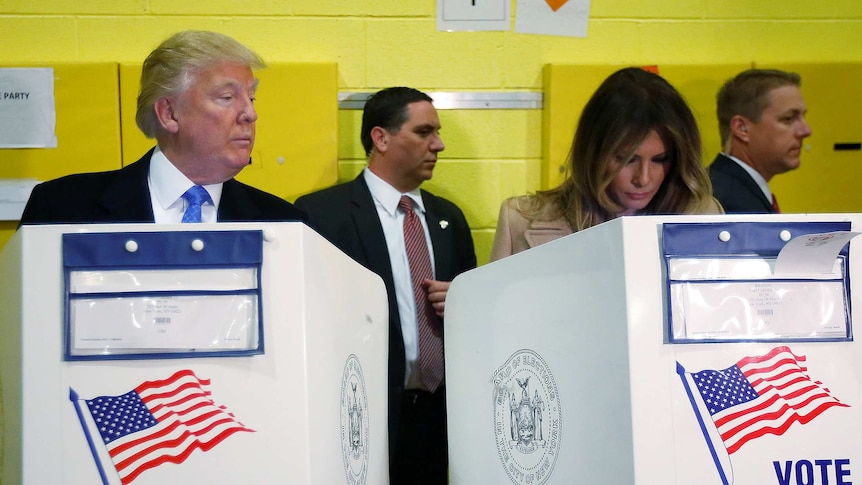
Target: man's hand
437, 294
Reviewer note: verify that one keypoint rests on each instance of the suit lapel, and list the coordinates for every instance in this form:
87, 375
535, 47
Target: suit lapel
235, 205
548, 231
370, 231
128, 197
734, 170
440, 231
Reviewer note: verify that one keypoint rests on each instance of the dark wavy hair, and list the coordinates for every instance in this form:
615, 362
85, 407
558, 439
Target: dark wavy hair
615, 121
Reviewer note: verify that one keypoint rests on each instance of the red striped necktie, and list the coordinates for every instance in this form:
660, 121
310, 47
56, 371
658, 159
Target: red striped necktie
775, 205
430, 328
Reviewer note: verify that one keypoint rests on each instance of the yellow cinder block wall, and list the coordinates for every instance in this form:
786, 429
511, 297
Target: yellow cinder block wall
491, 154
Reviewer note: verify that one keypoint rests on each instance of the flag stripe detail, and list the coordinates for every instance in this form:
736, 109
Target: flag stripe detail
161, 421
761, 395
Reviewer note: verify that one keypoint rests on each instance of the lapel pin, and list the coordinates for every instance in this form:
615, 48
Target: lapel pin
444, 224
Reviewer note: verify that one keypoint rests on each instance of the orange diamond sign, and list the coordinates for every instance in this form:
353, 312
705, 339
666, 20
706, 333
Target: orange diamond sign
556, 4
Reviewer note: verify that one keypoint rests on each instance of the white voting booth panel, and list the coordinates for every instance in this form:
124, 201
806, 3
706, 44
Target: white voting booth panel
312, 405
560, 370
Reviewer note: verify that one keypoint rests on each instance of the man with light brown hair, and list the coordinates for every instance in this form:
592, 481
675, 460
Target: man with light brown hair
761, 119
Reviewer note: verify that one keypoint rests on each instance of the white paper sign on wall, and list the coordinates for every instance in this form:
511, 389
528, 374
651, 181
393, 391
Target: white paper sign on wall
28, 117
473, 15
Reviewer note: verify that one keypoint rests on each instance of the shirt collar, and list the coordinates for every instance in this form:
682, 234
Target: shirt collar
388, 196
168, 184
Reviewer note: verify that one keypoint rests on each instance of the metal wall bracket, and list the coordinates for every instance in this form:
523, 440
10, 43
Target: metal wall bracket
458, 100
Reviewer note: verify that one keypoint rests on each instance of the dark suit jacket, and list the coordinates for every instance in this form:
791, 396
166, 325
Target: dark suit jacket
123, 196
737, 192
346, 216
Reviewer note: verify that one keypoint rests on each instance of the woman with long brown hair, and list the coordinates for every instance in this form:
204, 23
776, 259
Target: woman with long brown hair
636, 150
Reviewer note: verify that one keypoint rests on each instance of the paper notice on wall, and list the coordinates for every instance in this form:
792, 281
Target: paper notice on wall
28, 117
472, 15
553, 17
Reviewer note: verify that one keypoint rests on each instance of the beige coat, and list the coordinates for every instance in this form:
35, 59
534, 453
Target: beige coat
516, 233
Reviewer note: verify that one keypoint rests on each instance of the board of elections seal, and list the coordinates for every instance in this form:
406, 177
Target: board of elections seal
527, 418
354, 422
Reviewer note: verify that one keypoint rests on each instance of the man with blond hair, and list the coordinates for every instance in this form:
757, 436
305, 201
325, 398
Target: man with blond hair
197, 100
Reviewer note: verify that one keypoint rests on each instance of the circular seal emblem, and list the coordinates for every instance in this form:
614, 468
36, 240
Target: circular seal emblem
354, 422
527, 418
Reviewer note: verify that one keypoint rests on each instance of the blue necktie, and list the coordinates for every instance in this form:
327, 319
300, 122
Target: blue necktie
195, 197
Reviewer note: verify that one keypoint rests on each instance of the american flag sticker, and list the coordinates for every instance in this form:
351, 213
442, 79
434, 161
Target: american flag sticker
156, 423
757, 396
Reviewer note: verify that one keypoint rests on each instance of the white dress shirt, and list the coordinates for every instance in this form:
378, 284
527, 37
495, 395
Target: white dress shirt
386, 200
167, 186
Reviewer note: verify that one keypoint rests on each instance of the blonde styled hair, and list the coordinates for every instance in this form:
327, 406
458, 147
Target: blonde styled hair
173, 65
615, 121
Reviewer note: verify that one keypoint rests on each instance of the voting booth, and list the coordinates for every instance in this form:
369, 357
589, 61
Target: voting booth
227, 353
674, 350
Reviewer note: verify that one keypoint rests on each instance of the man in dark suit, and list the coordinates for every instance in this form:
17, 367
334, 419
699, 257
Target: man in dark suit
366, 218
197, 100
761, 118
